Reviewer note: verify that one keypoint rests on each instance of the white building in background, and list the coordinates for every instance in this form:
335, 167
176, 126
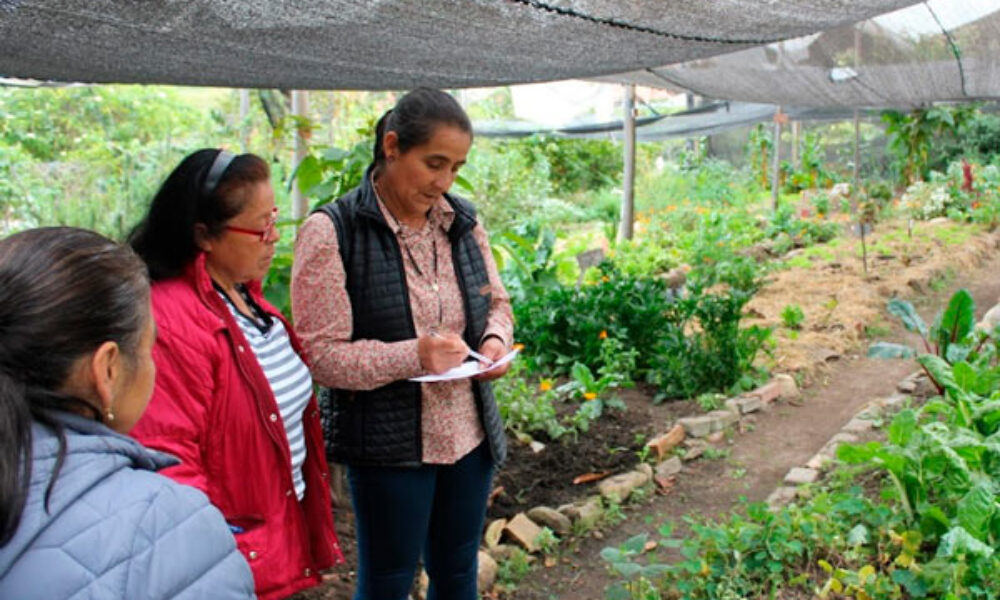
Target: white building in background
561, 103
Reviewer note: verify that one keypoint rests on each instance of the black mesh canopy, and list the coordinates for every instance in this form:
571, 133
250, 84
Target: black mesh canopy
940, 50
395, 44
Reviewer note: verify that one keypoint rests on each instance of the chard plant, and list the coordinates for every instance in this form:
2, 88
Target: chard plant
953, 339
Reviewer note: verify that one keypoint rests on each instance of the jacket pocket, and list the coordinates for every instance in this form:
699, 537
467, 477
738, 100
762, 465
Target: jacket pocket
251, 536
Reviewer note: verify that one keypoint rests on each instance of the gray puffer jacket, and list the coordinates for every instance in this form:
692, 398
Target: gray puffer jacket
116, 529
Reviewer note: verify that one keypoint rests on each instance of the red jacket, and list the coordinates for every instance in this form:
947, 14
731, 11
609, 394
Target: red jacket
213, 408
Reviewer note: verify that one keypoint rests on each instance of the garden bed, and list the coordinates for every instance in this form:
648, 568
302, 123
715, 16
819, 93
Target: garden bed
612, 445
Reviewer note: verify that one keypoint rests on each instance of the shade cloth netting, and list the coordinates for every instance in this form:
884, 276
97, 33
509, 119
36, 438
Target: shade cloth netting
940, 50
389, 44
710, 119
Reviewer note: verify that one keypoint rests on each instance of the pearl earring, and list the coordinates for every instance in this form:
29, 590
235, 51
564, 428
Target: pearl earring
110, 416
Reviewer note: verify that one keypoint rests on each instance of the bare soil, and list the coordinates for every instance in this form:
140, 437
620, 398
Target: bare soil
844, 309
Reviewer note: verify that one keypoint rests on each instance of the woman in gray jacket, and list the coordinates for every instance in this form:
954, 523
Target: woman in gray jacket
83, 513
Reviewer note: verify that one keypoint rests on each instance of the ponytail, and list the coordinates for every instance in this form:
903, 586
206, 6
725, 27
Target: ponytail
378, 153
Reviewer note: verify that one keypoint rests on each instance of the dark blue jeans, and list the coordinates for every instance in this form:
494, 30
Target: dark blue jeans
434, 511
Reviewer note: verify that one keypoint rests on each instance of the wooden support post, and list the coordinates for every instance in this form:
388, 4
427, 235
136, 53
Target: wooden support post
628, 179
300, 108
796, 130
245, 120
779, 118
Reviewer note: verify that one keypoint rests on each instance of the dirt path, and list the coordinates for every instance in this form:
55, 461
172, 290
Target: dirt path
784, 437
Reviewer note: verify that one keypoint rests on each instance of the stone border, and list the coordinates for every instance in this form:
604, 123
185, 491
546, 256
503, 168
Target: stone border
862, 422
693, 434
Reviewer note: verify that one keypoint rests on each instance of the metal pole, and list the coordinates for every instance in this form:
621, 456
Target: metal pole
244, 122
776, 171
856, 188
628, 183
300, 108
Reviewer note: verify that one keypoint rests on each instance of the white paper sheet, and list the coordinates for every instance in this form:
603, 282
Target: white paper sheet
466, 369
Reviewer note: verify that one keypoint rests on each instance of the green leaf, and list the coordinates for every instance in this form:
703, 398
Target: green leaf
654, 571
854, 454
957, 321
906, 313
940, 371
612, 555
955, 353
308, 174
617, 592
627, 569
975, 510
958, 541
635, 544
902, 428
464, 183
965, 376
890, 350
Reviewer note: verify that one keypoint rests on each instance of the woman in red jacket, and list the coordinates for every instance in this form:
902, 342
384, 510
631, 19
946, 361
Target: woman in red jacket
233, 398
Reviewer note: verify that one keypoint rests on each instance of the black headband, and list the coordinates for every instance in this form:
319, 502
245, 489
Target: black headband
219, 166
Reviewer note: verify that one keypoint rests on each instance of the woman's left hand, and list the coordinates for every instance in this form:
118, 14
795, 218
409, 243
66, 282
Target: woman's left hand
494, 349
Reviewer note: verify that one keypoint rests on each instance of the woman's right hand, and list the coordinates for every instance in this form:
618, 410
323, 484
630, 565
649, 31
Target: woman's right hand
440, 352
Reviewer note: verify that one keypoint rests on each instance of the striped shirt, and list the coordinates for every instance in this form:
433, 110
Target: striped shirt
289, 378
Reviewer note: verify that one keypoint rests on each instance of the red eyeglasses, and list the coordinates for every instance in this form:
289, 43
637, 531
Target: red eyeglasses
264, 234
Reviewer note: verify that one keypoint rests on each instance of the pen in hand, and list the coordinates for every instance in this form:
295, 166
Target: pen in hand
472, 353
481, 357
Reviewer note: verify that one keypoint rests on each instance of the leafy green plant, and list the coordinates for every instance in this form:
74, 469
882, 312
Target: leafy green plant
952, 337
705, 349
513, 569
710, 401
327, 173
547, 542
528, 409
913, 135
623, 562
530, 263
792, 316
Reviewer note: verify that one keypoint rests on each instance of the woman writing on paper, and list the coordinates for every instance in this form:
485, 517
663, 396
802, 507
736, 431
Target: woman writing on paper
392, 281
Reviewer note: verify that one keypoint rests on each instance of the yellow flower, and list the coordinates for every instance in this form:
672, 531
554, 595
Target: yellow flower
545, 385
605, 278
589, 396
603, 335
518, 347
701, 210
671, 207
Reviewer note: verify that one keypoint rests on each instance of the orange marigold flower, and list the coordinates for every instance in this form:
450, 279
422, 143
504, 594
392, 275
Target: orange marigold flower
589, 396
518, 347
603, 335
545, 385
605, 278
975, 205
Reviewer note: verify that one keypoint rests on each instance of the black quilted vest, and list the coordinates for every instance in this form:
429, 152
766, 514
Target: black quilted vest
382, 426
